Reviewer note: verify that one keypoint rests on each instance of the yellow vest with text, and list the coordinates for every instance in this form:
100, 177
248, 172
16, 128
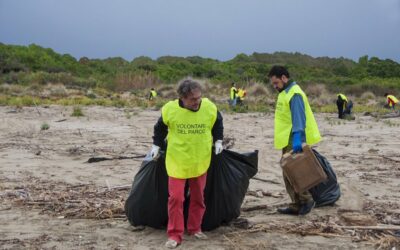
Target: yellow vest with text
344, 98
283, 119
233, 93
393, 98
189, 138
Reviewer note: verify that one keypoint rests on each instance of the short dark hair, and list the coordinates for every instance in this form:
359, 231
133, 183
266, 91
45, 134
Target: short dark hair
187, 86
278, 71
386, 94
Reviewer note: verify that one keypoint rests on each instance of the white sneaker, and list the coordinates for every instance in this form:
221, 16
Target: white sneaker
200, 235
171, 244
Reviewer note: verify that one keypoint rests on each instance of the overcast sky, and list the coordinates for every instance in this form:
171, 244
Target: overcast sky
217, 29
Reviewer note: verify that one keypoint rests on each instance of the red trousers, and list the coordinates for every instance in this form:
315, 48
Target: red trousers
176, 189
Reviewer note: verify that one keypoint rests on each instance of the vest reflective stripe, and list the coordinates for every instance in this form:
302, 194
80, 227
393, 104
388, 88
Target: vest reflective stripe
344, 98
153, 93
283, 119
189, 138
393, 98
233, 94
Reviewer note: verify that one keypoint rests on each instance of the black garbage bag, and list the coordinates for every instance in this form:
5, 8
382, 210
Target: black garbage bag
147, 202
227, 183
327, 192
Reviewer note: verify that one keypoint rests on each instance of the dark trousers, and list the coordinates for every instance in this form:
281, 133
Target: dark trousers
339, 104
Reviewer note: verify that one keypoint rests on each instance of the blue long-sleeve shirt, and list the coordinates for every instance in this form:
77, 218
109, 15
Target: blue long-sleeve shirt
298, 112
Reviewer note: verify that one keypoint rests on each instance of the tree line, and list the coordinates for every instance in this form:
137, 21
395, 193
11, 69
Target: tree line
35, 64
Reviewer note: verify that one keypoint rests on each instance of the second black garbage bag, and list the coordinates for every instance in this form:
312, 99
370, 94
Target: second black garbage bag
227, 182
327, 192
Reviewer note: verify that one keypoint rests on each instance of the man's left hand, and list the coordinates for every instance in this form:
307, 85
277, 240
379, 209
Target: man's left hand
296, 141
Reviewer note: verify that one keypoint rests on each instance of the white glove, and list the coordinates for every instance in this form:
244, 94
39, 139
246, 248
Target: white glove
154, 151
218, 147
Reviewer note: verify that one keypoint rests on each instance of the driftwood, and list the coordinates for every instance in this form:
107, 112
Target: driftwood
265, 180
123, 187
261, 193
388, 158
378, 157
390, 115
382, 116
5, 208
118, 188
98, 159
62, 120
379, 227
252, 208
358, 219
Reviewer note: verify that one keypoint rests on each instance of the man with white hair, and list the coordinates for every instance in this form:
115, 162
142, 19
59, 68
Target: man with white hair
192, 125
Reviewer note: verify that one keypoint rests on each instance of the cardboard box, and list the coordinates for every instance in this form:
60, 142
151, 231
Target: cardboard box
303, 170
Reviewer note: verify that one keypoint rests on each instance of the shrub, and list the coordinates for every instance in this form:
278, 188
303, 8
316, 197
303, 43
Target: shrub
315, 90
15, 89
134, 81
368, 95
77, 111
58, 91
4, 88
44, 126
257, 90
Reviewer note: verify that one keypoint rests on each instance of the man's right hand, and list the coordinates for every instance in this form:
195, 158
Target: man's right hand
154, 151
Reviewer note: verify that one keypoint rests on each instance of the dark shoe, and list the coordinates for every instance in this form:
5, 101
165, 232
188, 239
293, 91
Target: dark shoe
306, 208
288, 210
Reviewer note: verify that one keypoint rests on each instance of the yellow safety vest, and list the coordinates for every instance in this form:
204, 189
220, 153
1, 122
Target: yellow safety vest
393, 98
233, 93
241, 94
189, 138
283, 119
344, 98
153, 93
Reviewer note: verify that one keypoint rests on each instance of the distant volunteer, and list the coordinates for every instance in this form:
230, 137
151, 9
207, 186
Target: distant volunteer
241, 95
344, 106
294, 124
152, 94
391, 100
341, 103
192, 125
233, 95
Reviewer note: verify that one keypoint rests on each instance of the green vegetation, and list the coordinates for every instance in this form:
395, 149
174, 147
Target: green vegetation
77, 112
44, 126
391, 123
32, 75
128, 114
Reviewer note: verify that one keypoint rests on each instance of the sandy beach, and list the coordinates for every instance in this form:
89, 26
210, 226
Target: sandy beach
52, 198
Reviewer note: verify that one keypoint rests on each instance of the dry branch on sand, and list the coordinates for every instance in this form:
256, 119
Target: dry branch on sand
383, 237
68, 201
87, 201
104, 158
